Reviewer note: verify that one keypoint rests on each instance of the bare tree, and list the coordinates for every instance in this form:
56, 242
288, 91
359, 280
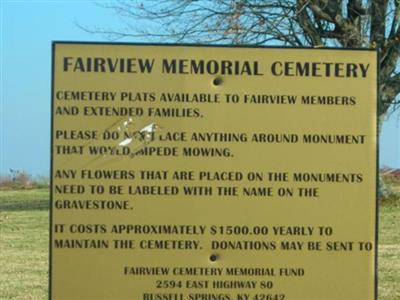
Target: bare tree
305, 23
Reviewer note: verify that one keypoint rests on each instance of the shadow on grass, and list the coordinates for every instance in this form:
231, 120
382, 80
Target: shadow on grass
391, 201
24, 206
24, 200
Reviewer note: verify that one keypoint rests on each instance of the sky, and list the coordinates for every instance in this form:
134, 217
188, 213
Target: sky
27, 30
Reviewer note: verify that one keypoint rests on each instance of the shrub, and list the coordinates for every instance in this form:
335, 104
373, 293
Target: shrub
388, 189
17, 179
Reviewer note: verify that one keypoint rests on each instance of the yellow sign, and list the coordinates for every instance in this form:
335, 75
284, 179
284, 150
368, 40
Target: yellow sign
213, 173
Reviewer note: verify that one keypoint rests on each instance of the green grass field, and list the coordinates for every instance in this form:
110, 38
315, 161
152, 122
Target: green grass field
24, 246
24, 229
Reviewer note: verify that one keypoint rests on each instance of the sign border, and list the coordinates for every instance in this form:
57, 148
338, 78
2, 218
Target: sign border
60, 42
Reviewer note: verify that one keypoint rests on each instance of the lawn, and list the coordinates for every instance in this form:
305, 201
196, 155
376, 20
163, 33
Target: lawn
24, 229
389, 251
24, 237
